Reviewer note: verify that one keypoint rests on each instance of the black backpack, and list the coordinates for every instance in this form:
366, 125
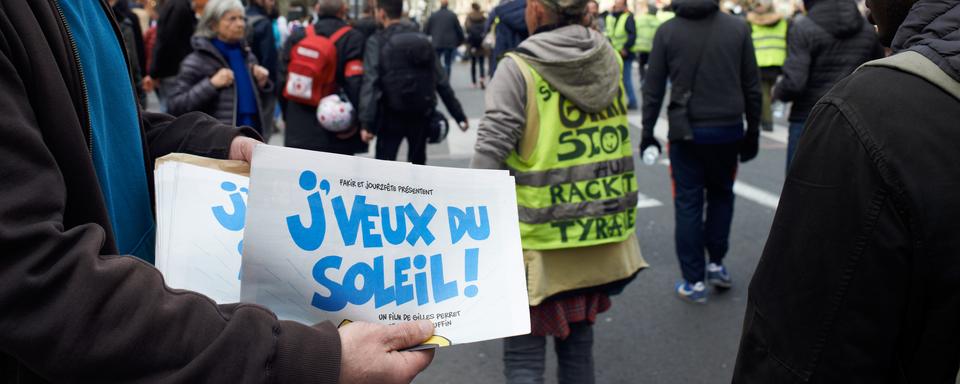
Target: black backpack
408, 72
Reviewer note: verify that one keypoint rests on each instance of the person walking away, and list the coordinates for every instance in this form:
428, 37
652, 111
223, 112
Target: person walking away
346, 59
593, 18
478, 55
263, 42
221, 78
622, 32
647, 24
81, 298
708, 57
822, 48
367, 23
510, 27
445, 32
770, 41
175, 25
260, 36
402, 77
572, 269
858, 282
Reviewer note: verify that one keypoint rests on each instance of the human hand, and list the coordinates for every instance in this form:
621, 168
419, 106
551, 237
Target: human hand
241, 148
366, 136
261, 74
648, 141
370, 352
749, 146
148, 84
465, 125
223, 78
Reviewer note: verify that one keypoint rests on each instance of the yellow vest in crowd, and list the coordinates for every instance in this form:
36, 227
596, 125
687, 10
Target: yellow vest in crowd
663, 16
770, 43
616, 30
574, 171
647, 25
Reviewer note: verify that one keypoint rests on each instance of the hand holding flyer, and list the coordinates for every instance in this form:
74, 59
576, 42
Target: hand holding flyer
341, 238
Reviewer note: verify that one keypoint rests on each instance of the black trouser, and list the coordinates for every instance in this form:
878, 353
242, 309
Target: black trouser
397, 127
698, 170
643, 58
475, 60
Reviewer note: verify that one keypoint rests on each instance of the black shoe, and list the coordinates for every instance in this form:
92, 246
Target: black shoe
768, 127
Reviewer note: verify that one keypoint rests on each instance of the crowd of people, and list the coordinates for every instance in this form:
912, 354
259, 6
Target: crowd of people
862, 241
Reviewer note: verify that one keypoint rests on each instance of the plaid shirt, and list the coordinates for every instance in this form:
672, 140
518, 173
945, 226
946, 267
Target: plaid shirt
553, 316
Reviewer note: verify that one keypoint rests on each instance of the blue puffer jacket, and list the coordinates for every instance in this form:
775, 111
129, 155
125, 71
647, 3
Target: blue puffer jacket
511, 29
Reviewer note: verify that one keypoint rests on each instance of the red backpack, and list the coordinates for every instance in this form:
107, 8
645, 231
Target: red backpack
311, 74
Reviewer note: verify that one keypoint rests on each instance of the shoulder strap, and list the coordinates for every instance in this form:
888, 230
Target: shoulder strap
917, 64
532, 130
311, 30
339, 33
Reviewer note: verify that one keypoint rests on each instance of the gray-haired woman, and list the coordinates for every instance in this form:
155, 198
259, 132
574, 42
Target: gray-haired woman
221, 77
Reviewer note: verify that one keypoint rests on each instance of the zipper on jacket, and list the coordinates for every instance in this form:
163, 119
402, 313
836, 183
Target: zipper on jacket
83, 79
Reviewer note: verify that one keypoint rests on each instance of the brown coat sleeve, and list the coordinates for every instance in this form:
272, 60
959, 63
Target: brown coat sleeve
70, 313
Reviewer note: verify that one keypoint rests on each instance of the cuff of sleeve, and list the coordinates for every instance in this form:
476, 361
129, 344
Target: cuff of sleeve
485, 161
307, 354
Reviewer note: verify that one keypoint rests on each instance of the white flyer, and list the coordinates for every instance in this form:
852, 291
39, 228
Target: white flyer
200, 218
340, 238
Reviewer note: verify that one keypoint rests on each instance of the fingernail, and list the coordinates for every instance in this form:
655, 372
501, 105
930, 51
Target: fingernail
426, 327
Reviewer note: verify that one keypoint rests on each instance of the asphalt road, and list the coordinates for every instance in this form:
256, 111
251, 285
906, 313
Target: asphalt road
649, 336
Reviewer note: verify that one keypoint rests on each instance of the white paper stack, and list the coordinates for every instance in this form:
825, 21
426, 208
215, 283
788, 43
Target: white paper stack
201, 212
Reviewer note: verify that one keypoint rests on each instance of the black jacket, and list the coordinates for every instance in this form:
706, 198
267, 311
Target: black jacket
261, 40
195, 92
727, 85
822, 48
444, 29
860, 278
175, 26
73, 310
370, 92
303, 129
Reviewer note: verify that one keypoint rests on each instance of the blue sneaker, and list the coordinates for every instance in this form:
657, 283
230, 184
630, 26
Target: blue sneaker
718, 277
696, 292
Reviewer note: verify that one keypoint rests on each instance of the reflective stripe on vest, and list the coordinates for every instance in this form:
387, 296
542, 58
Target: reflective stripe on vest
616, 30
647, 25
574, 171
770, 42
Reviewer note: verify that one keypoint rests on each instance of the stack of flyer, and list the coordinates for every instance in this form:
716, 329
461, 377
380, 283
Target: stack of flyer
336, 238
201, 209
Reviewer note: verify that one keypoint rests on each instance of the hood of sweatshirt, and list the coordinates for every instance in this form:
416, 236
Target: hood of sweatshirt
695, 9
578, 62
840, 18
931, 30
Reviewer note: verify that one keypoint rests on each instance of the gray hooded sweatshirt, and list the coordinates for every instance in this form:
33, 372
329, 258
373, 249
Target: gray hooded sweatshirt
575, 60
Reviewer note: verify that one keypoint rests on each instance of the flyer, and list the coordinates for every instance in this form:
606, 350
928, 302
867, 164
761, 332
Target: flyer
201, 208
340, 238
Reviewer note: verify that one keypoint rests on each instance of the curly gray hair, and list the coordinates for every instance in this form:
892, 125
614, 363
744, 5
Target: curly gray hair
212, 14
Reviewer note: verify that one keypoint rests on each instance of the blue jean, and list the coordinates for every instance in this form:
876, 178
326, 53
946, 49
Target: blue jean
698, 170
796, 129
524, 359
446, 58
628, 83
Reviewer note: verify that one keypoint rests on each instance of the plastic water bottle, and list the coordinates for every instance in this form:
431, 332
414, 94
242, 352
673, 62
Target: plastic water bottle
778, 109
650, 155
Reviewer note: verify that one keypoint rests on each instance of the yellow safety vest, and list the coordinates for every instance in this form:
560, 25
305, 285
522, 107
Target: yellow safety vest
616, 30
663, 16
647, 25
770, 43
574, 171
